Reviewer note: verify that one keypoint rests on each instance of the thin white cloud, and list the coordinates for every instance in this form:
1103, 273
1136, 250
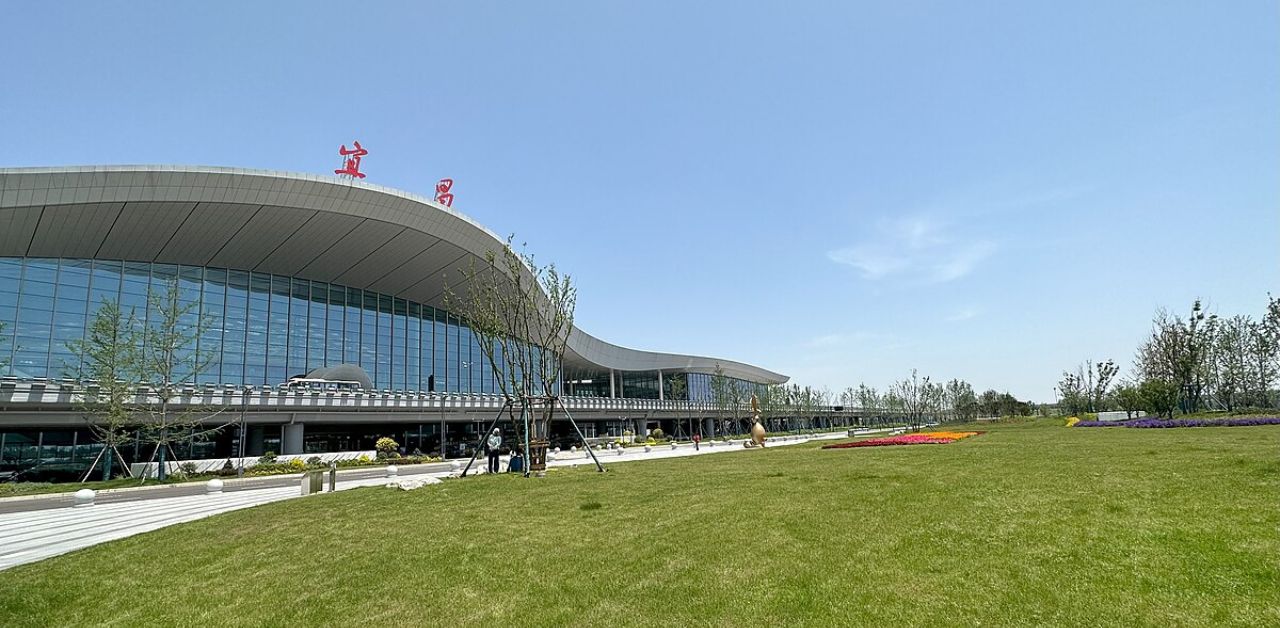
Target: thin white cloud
871, 263
846, 339
916, 247
963, 315
962, 262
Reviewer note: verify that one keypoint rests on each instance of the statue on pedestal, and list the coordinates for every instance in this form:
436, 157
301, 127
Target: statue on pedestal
757, 430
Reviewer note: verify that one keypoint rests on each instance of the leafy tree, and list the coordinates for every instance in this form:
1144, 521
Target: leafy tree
1160, 397
869, 401
721, 396
1129, 398
962, 400
1265, 354
678, 390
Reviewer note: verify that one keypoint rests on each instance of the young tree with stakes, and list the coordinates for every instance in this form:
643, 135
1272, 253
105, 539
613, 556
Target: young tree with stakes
170, 360
521, 314
108, 358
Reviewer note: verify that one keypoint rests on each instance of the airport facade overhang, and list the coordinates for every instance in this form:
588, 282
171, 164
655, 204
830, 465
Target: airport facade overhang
319, 228
297, 273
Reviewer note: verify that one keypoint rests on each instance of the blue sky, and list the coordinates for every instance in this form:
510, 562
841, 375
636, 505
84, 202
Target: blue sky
837, 191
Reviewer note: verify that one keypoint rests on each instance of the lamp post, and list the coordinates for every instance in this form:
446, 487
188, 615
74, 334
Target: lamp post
244, 406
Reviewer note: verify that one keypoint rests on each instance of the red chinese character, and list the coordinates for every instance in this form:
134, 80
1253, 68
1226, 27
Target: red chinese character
442, 192
351, 161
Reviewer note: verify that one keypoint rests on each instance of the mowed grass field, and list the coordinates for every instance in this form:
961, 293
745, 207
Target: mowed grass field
1031, 524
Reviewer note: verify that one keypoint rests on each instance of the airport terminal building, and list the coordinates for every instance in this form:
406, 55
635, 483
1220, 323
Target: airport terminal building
293, 274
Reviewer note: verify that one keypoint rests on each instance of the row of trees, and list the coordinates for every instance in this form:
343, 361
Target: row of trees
920, 399
1189, 364
916, 400
138, 367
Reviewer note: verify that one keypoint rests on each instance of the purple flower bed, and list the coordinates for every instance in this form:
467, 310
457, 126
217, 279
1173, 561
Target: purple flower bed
1150, 423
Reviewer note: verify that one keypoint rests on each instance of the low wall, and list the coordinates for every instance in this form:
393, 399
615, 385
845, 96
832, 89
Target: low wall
210, 465
1120, 416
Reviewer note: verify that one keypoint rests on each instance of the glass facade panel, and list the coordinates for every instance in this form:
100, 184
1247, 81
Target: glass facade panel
261, 329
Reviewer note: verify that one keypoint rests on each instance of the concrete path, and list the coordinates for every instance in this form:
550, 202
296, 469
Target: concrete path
39, 527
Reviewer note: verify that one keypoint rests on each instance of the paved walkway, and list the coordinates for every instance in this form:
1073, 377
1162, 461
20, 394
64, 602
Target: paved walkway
38, 527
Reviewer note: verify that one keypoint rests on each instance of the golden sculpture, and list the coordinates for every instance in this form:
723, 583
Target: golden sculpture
757, 430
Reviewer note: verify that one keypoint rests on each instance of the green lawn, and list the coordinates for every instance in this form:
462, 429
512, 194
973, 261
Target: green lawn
1028, 524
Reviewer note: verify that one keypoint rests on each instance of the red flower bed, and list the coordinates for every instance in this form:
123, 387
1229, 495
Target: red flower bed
922, 438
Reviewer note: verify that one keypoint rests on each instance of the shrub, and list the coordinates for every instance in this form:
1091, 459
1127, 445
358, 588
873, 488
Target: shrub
386, 446
297, 465
656, 434
188, 468
267, 458
314, 461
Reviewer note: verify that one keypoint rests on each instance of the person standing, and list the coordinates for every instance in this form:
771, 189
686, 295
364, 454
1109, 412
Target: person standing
493, 447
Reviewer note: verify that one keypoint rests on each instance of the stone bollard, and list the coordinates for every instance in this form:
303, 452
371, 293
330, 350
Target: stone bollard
213, 487
673, 446
647, 449
456, 466
573, 449
392, 471
83, 497
622, 450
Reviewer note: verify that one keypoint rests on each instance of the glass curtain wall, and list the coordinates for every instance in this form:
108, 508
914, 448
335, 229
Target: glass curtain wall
262, 329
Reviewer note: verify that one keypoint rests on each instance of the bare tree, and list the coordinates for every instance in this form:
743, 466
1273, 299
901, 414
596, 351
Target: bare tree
914, 394
1232, 350
773, 398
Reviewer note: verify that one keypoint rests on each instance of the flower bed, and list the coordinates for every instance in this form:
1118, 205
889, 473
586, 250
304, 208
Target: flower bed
921, 438
1154, 423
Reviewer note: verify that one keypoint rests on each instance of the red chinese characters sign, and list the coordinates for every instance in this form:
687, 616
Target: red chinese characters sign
351, 160
443, 196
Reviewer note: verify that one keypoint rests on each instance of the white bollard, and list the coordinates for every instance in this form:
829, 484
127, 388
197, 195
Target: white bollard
456, 466
392, 471
84, 497
621, 450
673, 446
647, 449
213, 487
573, 449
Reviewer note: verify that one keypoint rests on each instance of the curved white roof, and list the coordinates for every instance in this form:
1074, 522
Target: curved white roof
315, 227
